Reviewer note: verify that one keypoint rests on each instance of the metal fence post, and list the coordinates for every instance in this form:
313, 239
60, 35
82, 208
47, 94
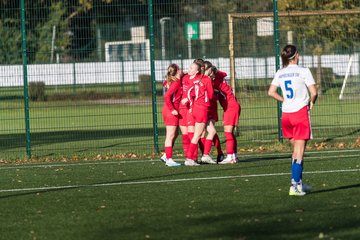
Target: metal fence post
277, 61
152, 66
74, 78
25, 79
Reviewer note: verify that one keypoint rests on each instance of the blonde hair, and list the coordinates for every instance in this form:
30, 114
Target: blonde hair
171, 73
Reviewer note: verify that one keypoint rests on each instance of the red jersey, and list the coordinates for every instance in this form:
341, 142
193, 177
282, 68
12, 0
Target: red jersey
172, 96
201, 91
186, 83
226, 96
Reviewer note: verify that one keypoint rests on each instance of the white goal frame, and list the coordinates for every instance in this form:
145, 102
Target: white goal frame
234, 16
348, 70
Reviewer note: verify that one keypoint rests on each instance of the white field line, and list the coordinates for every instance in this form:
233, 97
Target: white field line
152, 160
166, 181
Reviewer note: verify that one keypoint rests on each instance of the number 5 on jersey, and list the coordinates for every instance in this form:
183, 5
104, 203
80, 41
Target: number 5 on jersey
289, 89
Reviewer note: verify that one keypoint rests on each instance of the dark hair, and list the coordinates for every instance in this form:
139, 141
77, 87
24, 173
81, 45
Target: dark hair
200, 61
171, 73
214, 70
288, 53
207, 65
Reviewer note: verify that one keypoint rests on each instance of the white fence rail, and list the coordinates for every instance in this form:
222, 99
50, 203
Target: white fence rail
125, 72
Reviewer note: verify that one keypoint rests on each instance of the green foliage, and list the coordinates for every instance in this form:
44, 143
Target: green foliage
76, 23
37, 91
44, 32
330, 33
145, 85
10, 45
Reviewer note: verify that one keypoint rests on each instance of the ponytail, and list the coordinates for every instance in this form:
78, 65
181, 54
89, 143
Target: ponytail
171, 73
288, 53
214, 70
207, 65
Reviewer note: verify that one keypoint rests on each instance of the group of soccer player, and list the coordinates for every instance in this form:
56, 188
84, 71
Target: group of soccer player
190, 104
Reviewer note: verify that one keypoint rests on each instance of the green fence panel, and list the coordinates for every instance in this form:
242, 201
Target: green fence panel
89, 70
12, 128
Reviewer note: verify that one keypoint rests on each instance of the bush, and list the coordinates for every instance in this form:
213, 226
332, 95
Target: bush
37, 91
145, 85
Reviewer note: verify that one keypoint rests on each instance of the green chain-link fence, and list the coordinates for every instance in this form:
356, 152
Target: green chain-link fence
89, 66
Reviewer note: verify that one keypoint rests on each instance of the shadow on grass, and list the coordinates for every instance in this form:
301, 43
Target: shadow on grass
336, 189
11, 141
354, 132
39, 191
240, 224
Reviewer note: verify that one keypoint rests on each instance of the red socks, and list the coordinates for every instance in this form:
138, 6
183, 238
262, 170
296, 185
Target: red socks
230, 142
202, 144
235, 143
217, 144
168, 152
191, 151
207, 146
195, 153
185, 142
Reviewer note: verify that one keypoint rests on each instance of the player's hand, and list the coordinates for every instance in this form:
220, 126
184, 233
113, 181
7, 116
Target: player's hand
174, 112
184, 101
311, 105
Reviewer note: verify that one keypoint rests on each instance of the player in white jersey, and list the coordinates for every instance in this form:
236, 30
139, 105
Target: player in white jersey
295, 82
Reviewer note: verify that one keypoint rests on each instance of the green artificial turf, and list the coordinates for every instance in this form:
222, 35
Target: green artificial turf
144, 199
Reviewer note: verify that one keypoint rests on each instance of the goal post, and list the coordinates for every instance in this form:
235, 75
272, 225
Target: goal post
233, 16
350, 89
276, 16
345, 78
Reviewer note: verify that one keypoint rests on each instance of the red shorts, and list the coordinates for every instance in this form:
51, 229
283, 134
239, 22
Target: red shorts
169, 119
231, 115
296, 125
200, 114
183, 112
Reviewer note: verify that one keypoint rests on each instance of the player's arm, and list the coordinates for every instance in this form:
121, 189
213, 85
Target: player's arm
167, 97
313, 95
273, 93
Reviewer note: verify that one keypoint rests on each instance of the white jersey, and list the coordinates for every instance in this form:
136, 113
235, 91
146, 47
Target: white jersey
294, 81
